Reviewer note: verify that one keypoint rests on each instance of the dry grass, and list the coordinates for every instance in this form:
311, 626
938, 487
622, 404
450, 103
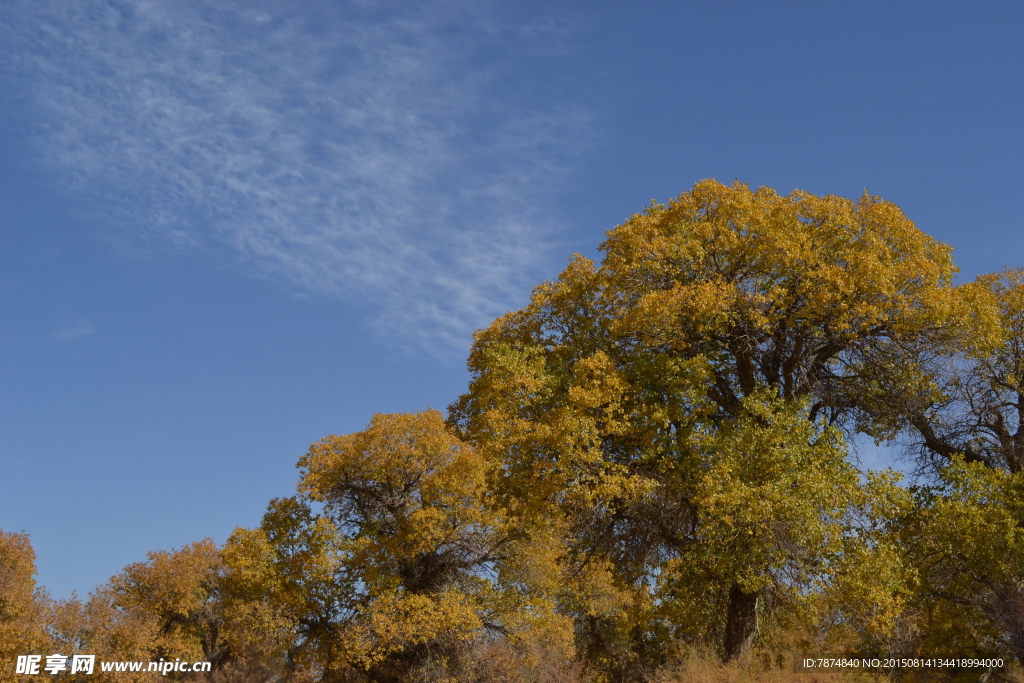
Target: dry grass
696, 666
702, 666
499, 662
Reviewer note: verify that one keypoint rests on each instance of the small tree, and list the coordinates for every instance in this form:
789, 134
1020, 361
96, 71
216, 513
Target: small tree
180, 591
21, 609
409, 565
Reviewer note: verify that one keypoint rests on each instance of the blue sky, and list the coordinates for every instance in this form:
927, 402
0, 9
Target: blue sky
229, 229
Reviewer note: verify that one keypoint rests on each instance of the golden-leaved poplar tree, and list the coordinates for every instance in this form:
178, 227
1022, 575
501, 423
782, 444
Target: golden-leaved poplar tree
181, 592
99, 626
169, 607
712, 319
408, 566
288, 591
22, 610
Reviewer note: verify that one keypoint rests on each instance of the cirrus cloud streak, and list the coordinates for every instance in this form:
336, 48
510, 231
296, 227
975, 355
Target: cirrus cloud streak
388, 154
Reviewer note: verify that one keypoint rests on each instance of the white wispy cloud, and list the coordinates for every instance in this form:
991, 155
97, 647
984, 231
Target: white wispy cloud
73, 331
375, 151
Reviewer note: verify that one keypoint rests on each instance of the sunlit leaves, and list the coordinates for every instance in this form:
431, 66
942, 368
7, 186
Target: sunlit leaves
20, 613
652, 452
674, 407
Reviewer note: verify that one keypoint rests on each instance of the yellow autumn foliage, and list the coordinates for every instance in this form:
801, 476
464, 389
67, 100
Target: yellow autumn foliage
21, 612
649, 478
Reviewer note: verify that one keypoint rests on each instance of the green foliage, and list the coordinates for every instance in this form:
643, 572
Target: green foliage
967, 538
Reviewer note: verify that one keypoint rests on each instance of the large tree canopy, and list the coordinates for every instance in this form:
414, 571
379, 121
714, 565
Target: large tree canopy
714, 318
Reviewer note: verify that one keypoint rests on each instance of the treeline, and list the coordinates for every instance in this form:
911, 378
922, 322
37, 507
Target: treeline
651, 461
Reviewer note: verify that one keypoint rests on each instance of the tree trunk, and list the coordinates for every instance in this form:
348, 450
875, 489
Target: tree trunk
1005, 607
741, 621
